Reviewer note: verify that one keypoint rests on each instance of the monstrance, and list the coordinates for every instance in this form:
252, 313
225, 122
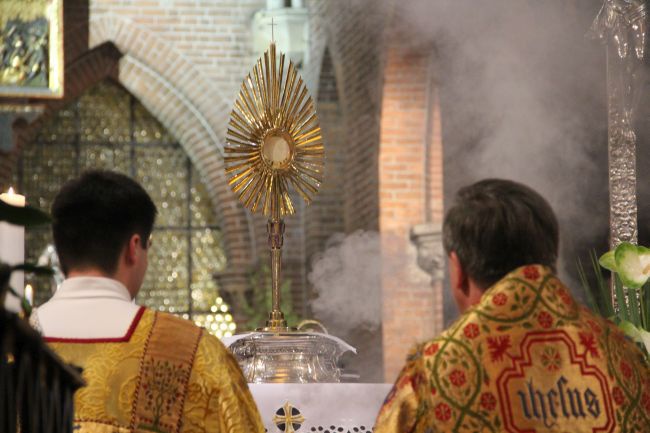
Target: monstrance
274, 142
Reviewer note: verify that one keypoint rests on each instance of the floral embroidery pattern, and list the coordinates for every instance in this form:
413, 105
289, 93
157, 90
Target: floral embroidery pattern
626, 370
498, 346
162, 386
617, 395
457, 378
443, 412
471, 330
594, 326
545, 320
500, 299
431, 350
565, 297
531, 272
463, 369
645, 401
589, 343
488, 401
551, 359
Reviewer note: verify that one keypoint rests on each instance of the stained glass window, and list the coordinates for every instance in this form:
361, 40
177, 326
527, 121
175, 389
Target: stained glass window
108, 128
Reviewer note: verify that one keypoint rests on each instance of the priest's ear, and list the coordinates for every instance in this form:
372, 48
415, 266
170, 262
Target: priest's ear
459, 281
457, 275
134, 249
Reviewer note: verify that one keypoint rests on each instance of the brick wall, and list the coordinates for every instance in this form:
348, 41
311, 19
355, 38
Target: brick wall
353, 34
410, 193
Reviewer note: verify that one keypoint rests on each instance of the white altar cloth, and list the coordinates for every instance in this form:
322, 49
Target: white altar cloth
321, 407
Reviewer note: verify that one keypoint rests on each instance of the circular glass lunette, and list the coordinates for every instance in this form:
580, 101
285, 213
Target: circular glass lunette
277, 149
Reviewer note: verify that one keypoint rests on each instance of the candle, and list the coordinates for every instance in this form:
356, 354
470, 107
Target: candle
10, 197
29, 294
12, 248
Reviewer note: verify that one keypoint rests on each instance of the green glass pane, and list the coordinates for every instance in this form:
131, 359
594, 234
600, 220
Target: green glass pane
37, 239
147, 129
103, 123
166, 283
207, 258
46, 168
104, 115
163, 171
200, 204
61, 128
116, 158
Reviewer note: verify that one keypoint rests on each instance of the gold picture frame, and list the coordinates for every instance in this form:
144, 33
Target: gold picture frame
31, 49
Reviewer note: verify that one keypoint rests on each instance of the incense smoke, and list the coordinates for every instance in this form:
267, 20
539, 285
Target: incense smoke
523, 97
347, 278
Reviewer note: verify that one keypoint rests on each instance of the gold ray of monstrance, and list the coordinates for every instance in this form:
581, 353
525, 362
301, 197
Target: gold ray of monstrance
274, 142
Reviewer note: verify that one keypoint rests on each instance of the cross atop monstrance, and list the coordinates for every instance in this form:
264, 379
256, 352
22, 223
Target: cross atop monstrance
272, 30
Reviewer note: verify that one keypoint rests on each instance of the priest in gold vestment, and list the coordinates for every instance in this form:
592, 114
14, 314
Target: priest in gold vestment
524, 356
146, 371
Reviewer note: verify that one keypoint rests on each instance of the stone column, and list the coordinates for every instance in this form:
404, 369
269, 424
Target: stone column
427, 238
431, 259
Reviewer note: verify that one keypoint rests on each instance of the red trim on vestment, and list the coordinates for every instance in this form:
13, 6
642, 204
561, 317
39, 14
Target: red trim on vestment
126, 338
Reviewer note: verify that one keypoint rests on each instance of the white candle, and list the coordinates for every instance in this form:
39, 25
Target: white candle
12, 248
10, 197
29, 294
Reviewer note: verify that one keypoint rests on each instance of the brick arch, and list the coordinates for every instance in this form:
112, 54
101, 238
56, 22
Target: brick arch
187, 105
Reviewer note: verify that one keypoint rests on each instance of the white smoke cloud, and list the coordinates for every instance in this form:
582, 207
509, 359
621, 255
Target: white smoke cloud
347, 278
523, 98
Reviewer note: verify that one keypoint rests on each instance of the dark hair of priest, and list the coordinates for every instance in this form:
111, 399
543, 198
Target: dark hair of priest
496, 226
95, 215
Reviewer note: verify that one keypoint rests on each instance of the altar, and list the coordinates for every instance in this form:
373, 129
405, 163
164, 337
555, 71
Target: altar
319, 407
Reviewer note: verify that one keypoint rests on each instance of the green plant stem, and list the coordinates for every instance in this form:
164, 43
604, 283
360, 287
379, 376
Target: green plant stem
644, 317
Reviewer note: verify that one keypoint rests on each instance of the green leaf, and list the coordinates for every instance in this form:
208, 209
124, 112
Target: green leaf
586, 286
27, 216
603, 291
645, 306
608, 261
637, 334
630, 330
645, 340
620, 298
632, 295
630, 261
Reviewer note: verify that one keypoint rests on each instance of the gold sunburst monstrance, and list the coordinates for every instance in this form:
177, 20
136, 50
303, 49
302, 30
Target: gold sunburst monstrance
274, 141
